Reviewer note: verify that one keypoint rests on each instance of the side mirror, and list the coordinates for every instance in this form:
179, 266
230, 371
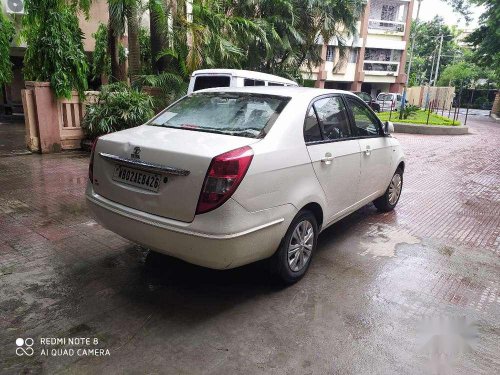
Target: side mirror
388, 127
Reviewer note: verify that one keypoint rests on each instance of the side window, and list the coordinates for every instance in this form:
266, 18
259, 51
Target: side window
253, 82
366, 123
332, 115
311, 127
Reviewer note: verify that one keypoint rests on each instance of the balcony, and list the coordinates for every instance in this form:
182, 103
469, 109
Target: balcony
381, 68
386, 27
388, 17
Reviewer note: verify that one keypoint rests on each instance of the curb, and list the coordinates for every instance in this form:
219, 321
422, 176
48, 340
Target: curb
495, 117
430, 129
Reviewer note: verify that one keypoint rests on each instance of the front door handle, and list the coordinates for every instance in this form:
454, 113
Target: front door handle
327, 159
368, 150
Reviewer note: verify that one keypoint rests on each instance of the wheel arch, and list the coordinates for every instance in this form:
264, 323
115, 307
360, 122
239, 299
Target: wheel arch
316, 210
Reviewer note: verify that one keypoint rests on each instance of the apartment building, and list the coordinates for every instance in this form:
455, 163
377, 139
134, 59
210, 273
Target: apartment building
375, 58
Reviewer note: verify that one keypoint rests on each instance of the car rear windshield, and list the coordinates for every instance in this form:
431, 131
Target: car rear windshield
239, 114
384, 97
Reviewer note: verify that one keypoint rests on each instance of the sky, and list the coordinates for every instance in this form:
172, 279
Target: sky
430, 8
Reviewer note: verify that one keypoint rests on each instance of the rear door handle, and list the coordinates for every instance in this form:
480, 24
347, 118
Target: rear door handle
368, 150
327, 159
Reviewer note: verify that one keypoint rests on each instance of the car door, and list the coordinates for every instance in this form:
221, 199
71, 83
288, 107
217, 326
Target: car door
376, 150
334, 152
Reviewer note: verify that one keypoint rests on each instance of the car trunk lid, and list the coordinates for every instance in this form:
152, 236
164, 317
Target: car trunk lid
158, 170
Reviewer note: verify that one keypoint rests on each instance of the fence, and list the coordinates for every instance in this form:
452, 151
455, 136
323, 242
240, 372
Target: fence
53, 124
423, 95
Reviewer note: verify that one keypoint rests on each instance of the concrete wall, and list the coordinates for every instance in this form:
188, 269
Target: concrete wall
98, 14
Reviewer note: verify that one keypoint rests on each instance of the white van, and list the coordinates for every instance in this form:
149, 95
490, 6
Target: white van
208, 78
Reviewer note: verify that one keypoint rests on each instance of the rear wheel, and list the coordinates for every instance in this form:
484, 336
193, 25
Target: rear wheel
388, 201
291, 261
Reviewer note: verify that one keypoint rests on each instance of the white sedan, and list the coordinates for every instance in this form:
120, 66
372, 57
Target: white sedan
225, 177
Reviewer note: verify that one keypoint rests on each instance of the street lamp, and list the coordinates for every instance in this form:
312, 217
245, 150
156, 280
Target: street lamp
403, 101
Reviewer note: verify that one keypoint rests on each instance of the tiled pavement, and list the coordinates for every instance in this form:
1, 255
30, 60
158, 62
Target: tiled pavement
412, 291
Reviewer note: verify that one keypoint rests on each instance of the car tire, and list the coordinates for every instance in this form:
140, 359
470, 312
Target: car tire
293, 257
390, 199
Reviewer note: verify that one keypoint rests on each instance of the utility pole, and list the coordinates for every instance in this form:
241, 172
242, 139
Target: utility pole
403, 101
439, 59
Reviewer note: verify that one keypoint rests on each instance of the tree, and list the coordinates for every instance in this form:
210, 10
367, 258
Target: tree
486, 39
7, 32
134, 56
116, 29
461, 73
160, 25
266, 35
101, 62
55, 49
426, 48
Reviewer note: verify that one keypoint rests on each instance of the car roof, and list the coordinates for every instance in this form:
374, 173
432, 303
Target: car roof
245, 74
279, 90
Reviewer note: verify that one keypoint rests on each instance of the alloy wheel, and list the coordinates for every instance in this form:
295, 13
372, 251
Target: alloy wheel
395, 189
300, 246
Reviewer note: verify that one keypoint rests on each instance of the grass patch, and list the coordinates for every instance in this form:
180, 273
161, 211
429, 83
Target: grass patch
419, 117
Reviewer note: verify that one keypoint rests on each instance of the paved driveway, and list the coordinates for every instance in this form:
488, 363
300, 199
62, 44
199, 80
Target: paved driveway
412, 291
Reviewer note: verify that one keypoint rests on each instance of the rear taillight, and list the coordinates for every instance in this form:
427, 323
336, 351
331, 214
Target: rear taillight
91, 164
223, 177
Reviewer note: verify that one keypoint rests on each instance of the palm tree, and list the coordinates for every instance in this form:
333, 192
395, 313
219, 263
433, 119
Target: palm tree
121, 13
134, 56
116, 29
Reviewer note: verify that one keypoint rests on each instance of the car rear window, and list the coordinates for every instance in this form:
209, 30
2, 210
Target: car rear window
384, 97
239, 114
207, 82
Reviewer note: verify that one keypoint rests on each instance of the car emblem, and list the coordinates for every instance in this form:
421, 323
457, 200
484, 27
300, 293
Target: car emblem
136, 153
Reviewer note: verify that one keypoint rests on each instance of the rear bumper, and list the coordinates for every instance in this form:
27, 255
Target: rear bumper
227, 237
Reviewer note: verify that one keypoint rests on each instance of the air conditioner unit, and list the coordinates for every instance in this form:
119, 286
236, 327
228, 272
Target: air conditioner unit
14, 6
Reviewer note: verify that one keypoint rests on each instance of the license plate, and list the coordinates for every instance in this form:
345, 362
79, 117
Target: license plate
137, 178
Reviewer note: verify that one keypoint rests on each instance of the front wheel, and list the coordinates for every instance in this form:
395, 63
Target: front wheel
388, 201
293, 257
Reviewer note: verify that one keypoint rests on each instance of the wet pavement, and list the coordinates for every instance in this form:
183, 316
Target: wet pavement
414, 291
12, 136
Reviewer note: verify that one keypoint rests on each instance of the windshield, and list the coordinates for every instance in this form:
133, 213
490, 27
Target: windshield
384, 97
239, 114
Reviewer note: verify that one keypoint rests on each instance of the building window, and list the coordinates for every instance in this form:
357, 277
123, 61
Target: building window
379, 54
388, 13
330, 53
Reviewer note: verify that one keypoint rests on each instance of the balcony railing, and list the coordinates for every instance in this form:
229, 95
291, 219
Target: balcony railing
385, 68
387, 26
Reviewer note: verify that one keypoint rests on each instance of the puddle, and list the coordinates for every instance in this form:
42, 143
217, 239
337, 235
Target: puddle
381, 240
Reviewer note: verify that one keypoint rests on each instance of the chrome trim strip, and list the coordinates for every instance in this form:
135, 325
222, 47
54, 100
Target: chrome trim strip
152, 167
131, 215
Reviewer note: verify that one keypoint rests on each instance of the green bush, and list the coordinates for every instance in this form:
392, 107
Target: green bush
410, 111
6, 34
118, 107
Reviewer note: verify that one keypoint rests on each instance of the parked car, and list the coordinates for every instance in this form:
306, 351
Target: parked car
389, 101
368, 100
225, 177
210, 78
